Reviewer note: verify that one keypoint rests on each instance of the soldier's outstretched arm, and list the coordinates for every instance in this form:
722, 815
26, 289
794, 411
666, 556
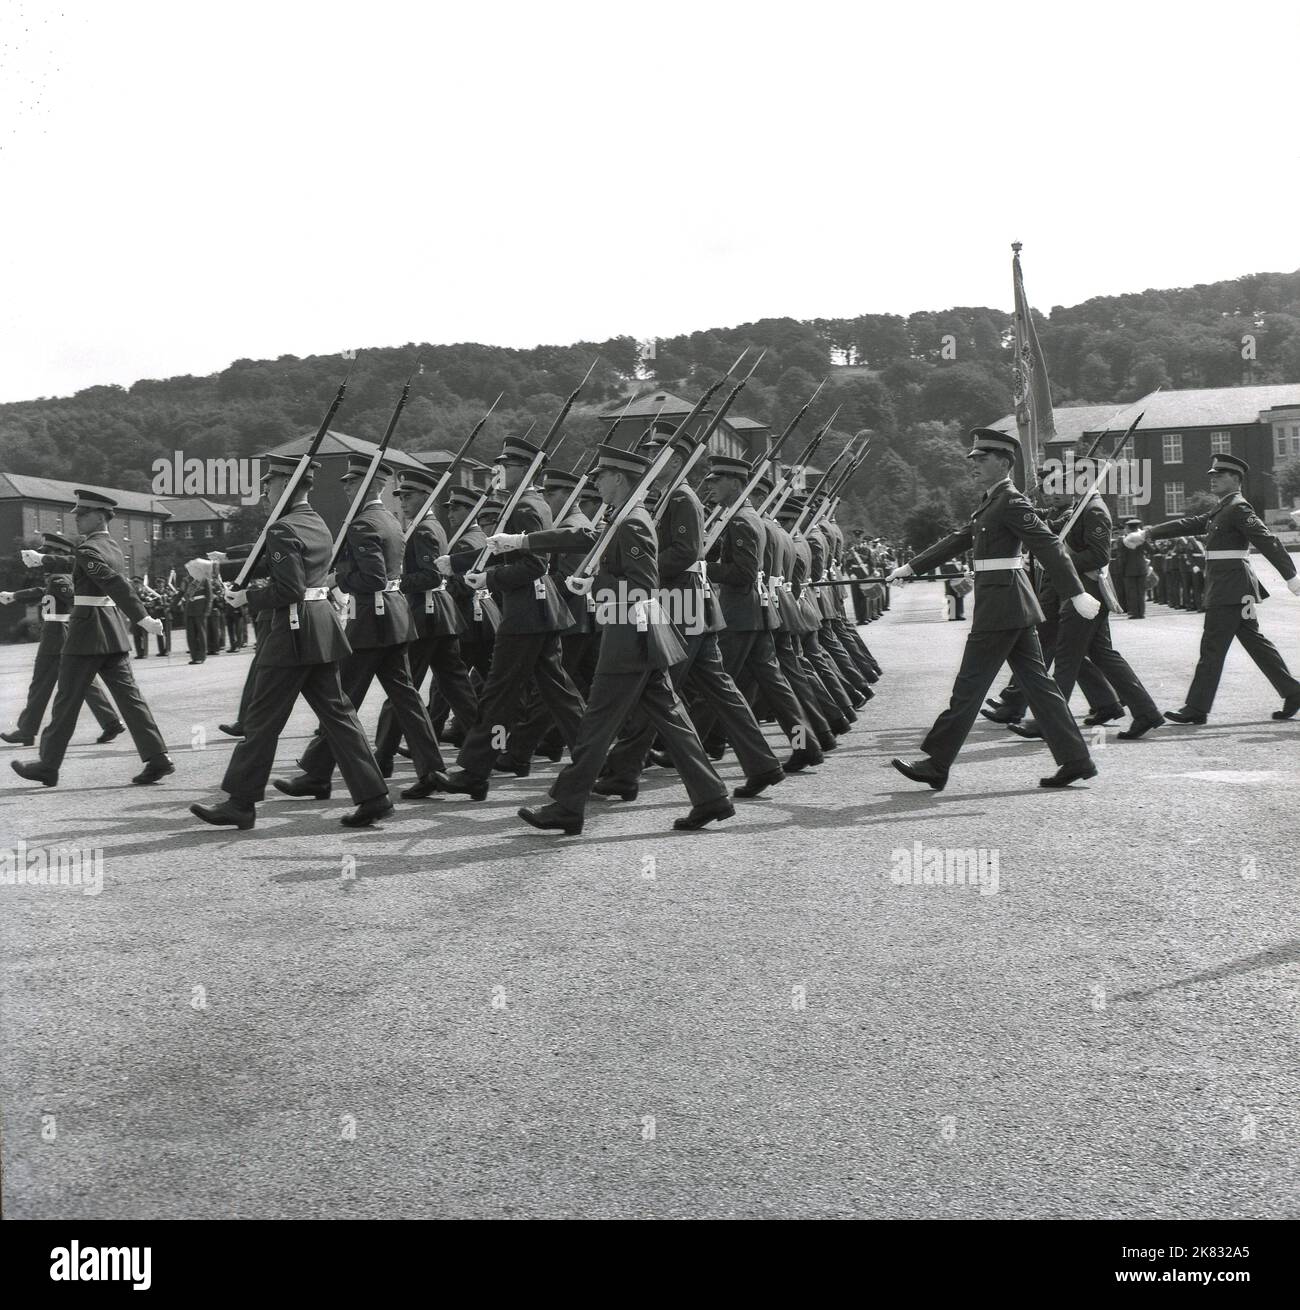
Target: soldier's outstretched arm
1245, 520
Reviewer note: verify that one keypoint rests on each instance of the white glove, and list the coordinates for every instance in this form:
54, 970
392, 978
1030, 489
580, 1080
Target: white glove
150, 624
217, 556
1135, 539
1292, 585
1086, 605
475, 581
237, 598
580, 586
502, 542
899, 573
32, 558
6, 598
443, 564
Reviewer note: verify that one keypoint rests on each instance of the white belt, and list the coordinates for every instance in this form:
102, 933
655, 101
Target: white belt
1227, 554
429, 606
989, 565
316, 593
57, 618
101, 602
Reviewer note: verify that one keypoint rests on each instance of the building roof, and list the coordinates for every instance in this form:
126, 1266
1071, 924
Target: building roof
648, 405
19, 486
195, 509
1072, 421
339, 443
1207, 407
746, 424
438, 459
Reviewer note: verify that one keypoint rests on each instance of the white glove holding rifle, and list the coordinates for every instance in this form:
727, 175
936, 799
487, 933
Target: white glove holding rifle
1088, 606
1135, 539
504, 542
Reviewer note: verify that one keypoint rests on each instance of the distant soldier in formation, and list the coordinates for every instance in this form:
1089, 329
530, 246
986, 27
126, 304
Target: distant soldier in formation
198, 594
97, 645
1133, 570
1232, 590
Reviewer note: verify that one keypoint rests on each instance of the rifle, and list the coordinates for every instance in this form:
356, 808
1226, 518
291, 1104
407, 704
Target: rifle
290, 487
757, 469
825, 477
831, 501
784, 486
572, 498
451, 469
368, 480
468, 521
1105, 468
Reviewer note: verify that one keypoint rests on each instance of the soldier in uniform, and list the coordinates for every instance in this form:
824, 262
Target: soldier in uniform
97, 644
1133, 570
298, 653
533, 614
1005, 615
55, 600
637, 646
679, 540
198, 601
379, 629
1232, 590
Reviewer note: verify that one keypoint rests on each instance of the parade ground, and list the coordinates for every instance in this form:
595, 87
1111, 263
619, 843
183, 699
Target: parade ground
792, 1014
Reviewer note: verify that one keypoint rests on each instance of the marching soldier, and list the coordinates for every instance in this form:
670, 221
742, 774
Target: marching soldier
97, 644
637, 646
299, 653
378, 630
198, 602
1231, 590
533, 614
55, 599
1006, 612
438, 620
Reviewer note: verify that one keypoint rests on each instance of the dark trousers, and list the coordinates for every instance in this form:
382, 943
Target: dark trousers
792, 669
216, 631
476, 656
196, 636
850, 670
356, 672
451, 677
614, 696
274, 695
141, 638
828, 673
702, 677
578, 654
854, 646
1078, 639
984, 655
250, 685
45, 677
516, 657
236, 628
1135, 597
76, 674
751, 657
1222, 624
1098, 691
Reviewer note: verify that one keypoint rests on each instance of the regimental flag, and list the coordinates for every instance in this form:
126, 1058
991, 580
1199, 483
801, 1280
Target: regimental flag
1033, 392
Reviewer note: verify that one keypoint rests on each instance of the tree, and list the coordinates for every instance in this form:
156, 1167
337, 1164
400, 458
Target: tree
967, 393
1287, 477
930, 521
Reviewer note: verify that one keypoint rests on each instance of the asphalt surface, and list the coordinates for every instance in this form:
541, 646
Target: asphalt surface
473, 1019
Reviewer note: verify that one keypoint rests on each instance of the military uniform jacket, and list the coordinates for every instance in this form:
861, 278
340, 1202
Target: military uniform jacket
98, 570
530, 600
1232, 525
433, 608
297, 556
55, 595
805, 596
371, 558
680, 537
998, 527
819, 548
734, 566
635, 632
562, 566
1133, 561
198, 597
1088, 543
484, 626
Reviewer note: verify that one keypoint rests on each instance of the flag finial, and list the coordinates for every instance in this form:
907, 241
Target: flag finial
1015, 245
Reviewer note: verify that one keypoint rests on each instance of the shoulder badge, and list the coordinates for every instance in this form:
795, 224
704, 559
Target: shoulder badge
682, 529
634, 551
277, 556
1029, 517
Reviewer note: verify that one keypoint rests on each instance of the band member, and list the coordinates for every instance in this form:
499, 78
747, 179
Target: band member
1005, 614
1133, 570
98, 644
198, 603
1231, 589
299, 653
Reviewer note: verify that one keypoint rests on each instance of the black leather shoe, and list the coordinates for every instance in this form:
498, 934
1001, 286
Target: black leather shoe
552, 753
408, 754
1029, 730
828, 742
662, 760
426, 786
923, 770
612, 787
231, 729
385, 765
1289, 708
551, 818
460, 783
1184, 716
1107, 714
1139, 728
154, 770
858, 700
1069, 773
706, 813
227, 814
116, 730
1003, 714
453, 737
715, 752
757, 785
36, 772
17, 739
504, 764
302, 785
377, 807
841, 725
800, 760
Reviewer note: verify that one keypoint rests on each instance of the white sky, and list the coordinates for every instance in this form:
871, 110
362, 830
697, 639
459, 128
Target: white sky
185, 184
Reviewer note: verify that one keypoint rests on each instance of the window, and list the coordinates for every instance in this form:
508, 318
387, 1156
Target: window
188, 532
1124, 507
1220, 443
207, 529
1174, 499
1279, 442
157, 531
1173, 447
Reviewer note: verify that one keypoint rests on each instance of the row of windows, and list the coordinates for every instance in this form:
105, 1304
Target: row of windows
1175, 501
1286, 444
1172, 445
